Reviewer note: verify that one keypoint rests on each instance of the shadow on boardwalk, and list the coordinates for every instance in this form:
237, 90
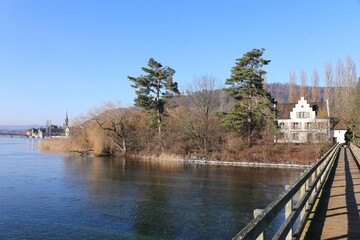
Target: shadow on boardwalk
337, 213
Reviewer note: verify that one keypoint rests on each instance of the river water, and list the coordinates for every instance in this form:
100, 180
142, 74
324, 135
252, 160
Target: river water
51, 196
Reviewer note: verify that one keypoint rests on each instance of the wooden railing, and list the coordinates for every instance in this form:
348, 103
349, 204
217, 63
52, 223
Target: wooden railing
356, 152
308, 186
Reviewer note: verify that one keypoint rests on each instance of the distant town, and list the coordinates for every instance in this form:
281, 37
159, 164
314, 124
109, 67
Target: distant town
34, 131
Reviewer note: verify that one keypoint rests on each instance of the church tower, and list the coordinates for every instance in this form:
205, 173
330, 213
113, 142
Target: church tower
66, 125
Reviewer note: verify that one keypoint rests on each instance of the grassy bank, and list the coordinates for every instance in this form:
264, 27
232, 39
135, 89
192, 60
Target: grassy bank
55, 145
264, 153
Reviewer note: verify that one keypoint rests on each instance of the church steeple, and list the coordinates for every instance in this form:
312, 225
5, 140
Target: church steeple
66, 125
66, 120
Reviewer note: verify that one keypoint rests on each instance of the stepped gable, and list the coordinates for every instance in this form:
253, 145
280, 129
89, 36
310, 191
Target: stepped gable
284, 109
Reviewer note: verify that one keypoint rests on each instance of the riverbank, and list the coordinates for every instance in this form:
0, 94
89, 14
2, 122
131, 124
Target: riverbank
249, 164
55, 145
265, 155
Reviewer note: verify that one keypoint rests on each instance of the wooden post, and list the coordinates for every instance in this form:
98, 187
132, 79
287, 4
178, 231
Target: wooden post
318, 172
322, 176
313, 177
302, 193
257, 212
308, 182
288, 210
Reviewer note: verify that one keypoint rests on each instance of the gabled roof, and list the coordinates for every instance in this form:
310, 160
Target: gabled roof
284, 109
338, 124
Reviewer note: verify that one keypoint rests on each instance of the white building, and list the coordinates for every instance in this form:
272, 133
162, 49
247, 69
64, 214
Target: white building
338, 130
303, 122
338, 135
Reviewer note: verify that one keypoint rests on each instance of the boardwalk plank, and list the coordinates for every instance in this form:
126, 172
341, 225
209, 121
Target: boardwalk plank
337, 213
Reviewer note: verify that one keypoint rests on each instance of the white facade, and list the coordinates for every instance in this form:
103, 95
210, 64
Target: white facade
338, 135
35, 133
303, 126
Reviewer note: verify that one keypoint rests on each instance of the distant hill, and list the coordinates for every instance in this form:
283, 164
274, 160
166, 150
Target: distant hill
280, 91
17, 127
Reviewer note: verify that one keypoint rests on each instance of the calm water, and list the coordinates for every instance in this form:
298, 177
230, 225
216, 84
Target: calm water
49, 196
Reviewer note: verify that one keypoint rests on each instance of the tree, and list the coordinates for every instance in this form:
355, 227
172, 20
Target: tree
345, 85
194, 117
329, 83
119, 125
315, 90
355, 113
154, 88
303, 85
252, 103
293, 89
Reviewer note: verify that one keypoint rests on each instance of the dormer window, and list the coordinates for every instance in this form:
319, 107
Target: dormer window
302, 115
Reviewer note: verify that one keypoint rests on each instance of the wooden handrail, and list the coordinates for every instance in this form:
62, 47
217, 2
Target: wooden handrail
356, 152
312, 179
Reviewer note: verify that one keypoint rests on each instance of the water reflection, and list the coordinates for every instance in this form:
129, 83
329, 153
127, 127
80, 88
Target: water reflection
49, 196
168, 200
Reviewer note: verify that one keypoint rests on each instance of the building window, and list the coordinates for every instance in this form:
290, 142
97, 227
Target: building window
303, 114
321, 125
308, 125
282, 125
321, 137
295, 136
281, 136
295, 125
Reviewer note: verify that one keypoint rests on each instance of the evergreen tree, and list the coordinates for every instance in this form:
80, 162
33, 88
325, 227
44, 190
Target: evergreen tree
252, 108
154, 88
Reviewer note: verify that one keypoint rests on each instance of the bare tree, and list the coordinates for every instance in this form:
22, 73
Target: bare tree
345, 83
351, 78
355, 114
293, 91
118, 124
303, 85
194, 117
339, 76
315, 90
329, 84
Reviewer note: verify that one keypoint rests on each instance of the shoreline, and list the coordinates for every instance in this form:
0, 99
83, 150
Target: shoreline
174, 158
61, 145
248, 164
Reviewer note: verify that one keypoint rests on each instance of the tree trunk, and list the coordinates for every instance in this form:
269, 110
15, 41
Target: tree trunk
249, 121
159, 123
158, 110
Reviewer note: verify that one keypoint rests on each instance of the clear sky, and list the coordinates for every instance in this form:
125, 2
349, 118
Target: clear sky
76, 55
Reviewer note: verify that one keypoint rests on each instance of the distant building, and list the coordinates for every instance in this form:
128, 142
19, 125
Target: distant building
50, 130
337, 133
303, 122
66, 125
36, 133
54, 130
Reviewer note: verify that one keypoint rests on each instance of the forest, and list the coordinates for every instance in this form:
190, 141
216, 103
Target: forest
236, 123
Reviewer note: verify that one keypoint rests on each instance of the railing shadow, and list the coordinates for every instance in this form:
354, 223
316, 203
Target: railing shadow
315, 230
351, 205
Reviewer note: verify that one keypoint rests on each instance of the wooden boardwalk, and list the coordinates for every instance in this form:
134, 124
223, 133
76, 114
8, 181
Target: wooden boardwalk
337, 209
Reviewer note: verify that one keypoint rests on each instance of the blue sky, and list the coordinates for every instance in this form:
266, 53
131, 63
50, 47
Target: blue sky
76, 55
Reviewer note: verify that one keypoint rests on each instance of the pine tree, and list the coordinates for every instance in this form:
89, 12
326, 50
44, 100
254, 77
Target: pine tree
154, 88
252, 107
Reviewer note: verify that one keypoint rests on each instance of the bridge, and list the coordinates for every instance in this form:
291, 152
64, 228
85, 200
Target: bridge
13, 134
323, 204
